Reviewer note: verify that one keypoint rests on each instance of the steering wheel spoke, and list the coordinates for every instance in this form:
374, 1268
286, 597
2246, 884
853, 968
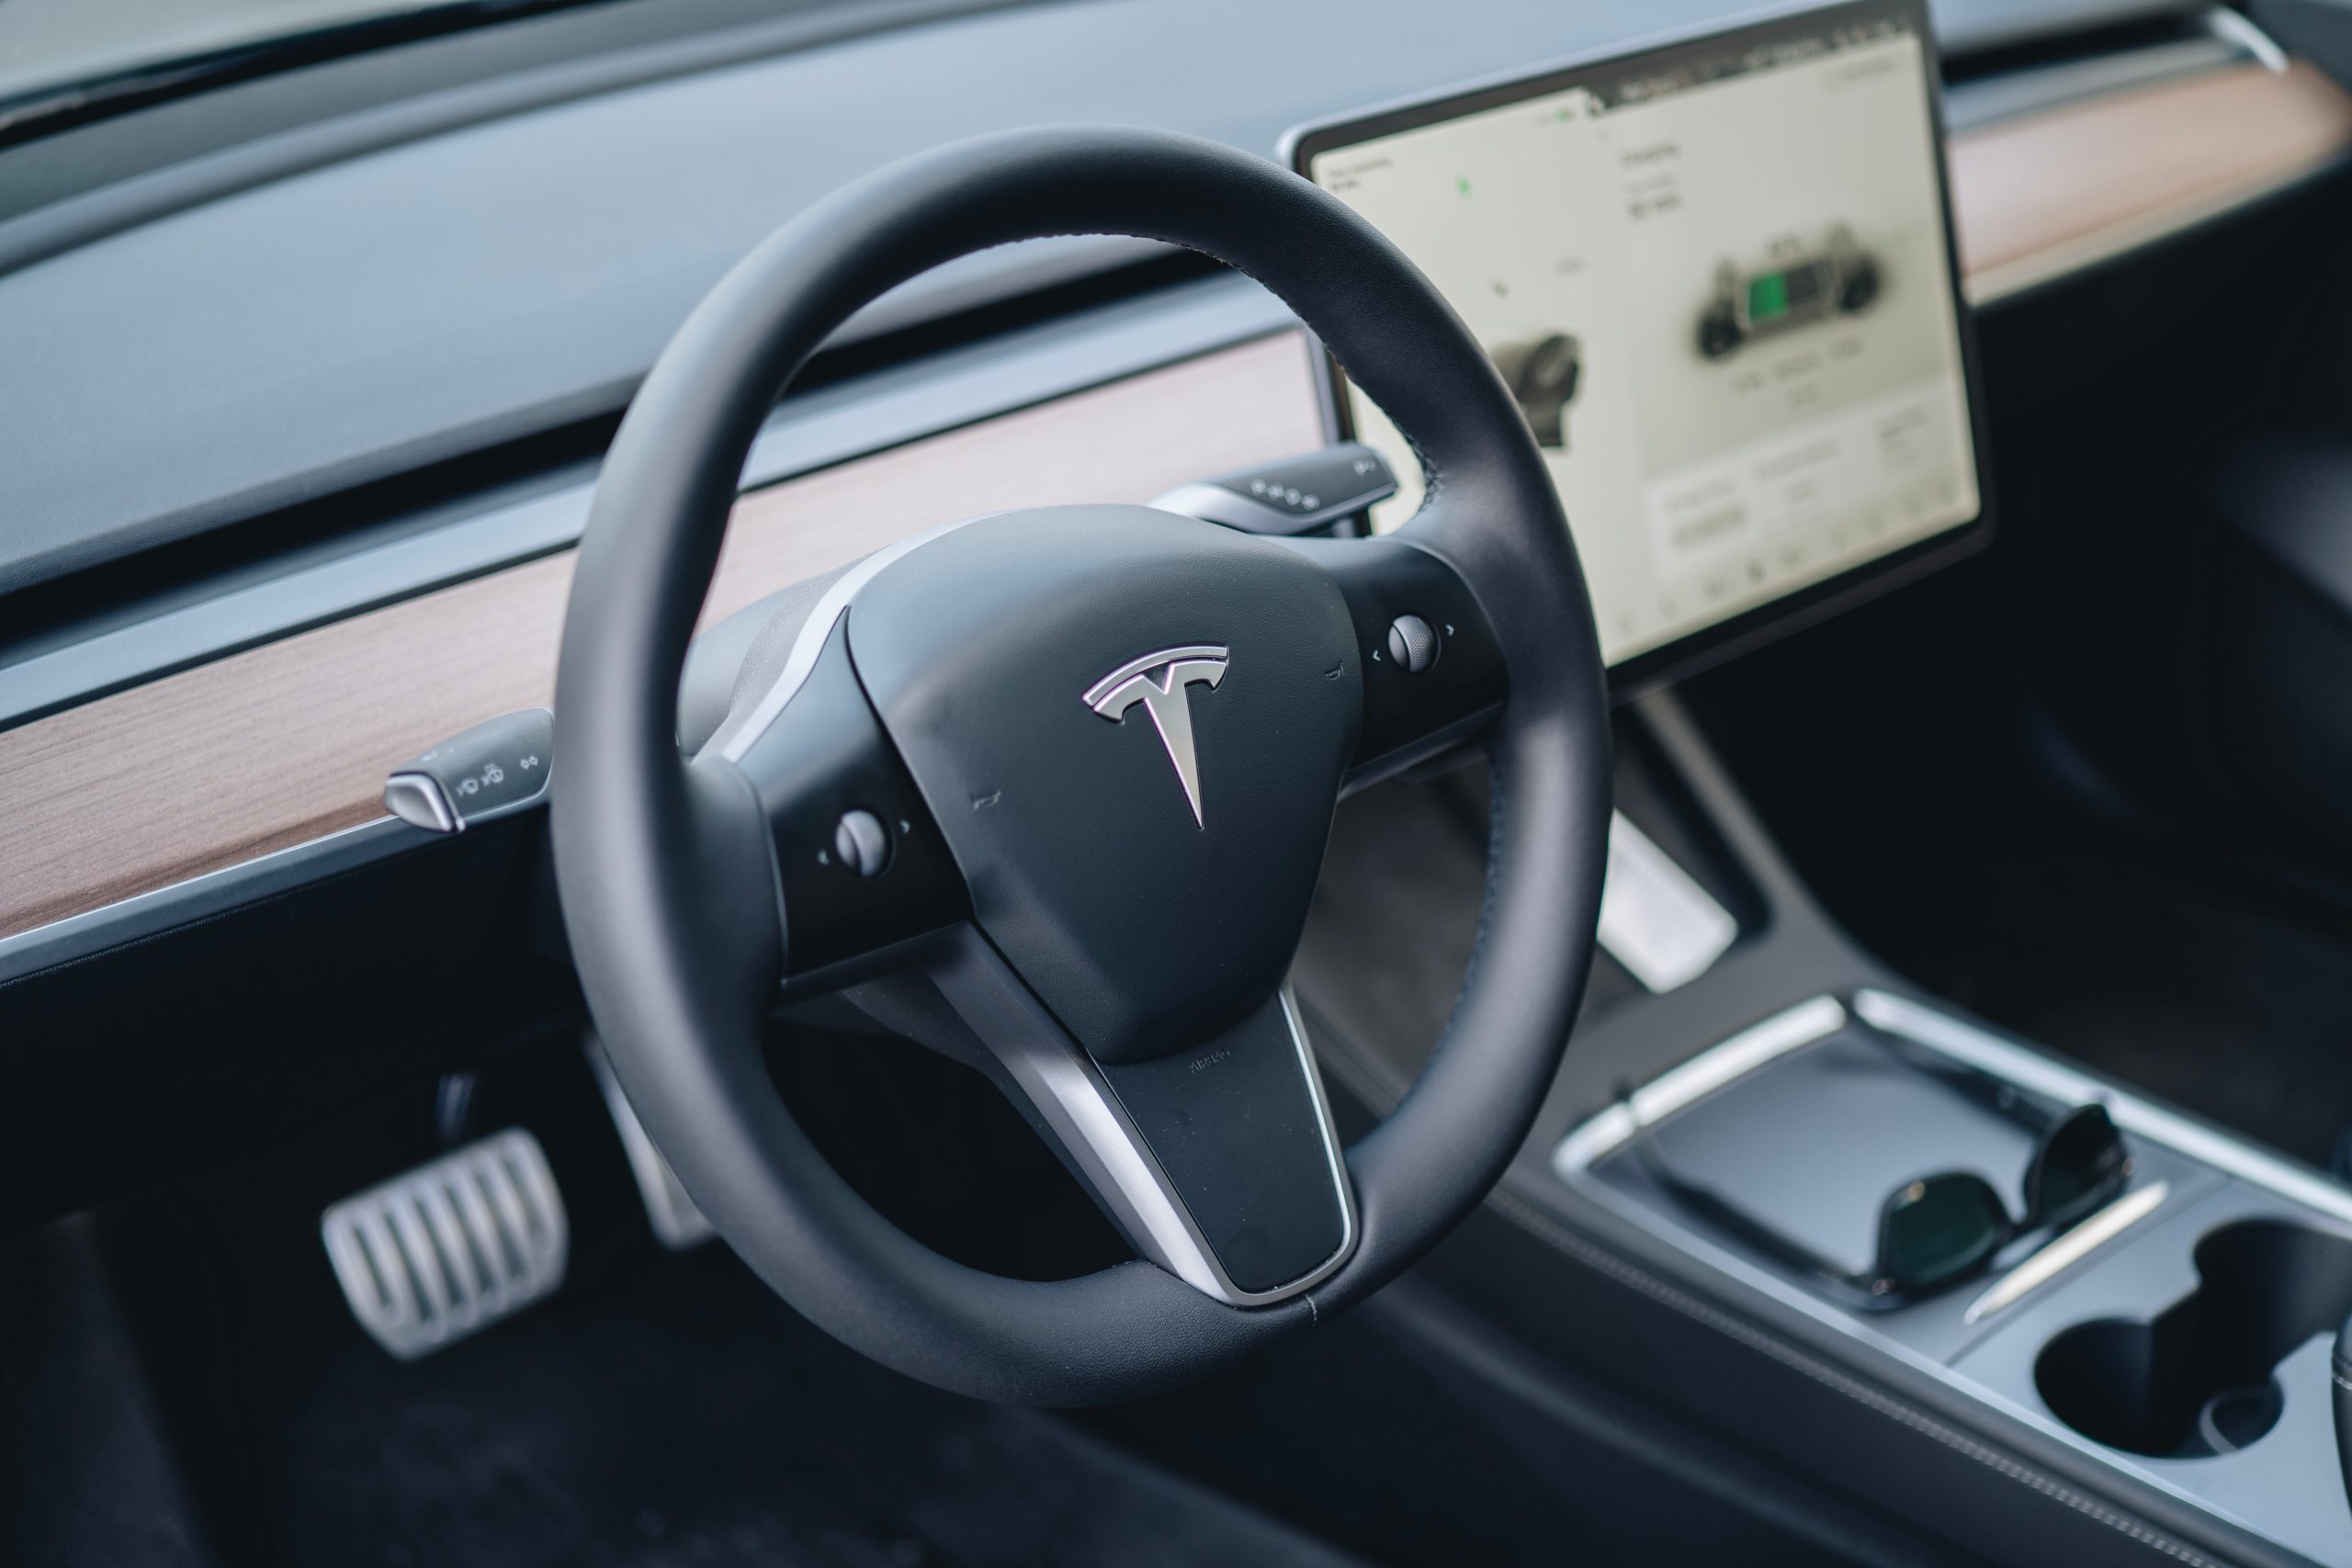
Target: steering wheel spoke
1219, 1162
1242, 1136
860, 867
1433, 673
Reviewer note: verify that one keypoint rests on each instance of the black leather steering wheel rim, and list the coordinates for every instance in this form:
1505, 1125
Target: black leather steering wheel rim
671, 957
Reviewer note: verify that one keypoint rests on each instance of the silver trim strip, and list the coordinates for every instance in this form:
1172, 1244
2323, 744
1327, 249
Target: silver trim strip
198, 898
2068, 1248
247, 882
2235, 28
733, 741
1335, 1157
2030, 1070
1087, 1119
1081, 1113
1164, 1229
1702, 1074
1599, 1135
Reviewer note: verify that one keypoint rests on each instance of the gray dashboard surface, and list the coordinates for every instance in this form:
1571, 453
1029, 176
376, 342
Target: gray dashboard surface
297, 338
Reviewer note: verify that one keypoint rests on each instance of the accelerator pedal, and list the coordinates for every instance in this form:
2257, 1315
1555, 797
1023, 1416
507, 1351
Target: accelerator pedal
450, 1247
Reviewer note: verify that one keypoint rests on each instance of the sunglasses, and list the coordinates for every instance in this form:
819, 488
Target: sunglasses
1939, 1230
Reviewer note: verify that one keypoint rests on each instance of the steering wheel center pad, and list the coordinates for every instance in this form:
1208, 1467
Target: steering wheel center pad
1142, 930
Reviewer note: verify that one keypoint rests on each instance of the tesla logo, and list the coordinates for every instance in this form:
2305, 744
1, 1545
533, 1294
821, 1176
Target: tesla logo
1161, 682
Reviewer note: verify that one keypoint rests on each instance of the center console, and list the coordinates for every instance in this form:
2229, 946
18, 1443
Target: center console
2181, 1335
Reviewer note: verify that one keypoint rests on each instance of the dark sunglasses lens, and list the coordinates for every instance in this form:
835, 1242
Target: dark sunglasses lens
1937, 1229
2080, 1166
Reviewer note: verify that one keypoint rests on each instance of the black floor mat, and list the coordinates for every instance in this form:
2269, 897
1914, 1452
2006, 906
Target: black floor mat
687, 1417
658, 1411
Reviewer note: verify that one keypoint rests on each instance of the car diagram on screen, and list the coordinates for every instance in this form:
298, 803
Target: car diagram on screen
1841, 278
1543, 373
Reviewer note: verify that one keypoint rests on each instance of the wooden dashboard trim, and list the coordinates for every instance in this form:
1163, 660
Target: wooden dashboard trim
2048, 193
286, 743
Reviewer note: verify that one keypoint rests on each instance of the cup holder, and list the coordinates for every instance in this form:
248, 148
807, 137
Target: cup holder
2199, 1380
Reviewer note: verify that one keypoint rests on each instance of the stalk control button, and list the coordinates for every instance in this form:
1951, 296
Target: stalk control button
1412, 646
488, 770
862, 843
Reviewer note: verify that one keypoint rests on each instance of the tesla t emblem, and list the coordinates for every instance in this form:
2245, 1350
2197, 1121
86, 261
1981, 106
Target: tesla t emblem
1161, 682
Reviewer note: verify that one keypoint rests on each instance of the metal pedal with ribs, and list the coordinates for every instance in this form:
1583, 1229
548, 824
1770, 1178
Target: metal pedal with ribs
452, 1247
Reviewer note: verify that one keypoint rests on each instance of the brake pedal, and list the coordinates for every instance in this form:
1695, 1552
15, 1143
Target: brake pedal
676, 1222
452, 1247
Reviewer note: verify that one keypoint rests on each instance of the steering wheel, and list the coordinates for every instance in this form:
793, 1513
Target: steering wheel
1050, 789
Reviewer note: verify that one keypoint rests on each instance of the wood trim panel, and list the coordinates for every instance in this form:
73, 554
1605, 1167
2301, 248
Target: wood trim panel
291, 741
2046, 194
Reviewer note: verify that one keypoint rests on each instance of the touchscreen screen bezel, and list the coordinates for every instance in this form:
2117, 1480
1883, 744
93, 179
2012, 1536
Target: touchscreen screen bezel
1748, 628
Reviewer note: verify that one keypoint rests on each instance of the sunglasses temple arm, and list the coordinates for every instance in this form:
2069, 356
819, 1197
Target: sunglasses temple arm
1728, 1217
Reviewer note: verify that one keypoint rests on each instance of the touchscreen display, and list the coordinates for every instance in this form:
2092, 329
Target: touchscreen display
1718, 279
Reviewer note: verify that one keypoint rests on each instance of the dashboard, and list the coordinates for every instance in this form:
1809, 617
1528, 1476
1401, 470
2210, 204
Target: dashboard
180, 756
1719, 277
